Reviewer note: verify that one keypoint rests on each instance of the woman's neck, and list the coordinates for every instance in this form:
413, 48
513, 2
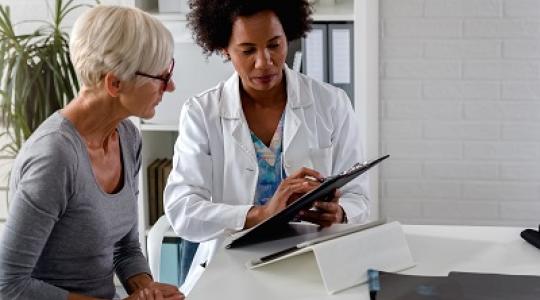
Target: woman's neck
275, 97
95, 117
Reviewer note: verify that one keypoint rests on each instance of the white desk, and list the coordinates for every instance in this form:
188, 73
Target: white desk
435, 249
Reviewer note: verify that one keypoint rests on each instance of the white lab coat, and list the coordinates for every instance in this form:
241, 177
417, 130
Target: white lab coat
214, 176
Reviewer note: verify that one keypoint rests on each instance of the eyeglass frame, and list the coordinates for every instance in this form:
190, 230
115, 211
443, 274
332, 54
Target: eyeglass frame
165, 79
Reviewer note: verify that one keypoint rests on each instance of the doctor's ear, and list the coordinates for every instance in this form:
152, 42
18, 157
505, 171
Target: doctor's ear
226, 54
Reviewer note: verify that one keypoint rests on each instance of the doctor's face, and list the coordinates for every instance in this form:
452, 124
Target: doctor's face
258, 48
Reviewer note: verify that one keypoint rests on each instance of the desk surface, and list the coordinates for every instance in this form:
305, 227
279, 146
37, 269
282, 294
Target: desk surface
436, 250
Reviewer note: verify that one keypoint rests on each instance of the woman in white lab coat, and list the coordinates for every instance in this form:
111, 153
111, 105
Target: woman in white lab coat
252, 144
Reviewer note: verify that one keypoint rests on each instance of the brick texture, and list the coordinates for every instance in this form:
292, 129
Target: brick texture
460, 111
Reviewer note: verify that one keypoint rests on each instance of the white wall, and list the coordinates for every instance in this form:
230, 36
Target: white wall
460, 103
41, 10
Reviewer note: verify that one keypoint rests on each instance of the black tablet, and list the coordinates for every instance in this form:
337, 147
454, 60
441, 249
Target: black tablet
276, 226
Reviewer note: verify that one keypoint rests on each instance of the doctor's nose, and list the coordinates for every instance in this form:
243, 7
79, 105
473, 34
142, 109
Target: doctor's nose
263, 59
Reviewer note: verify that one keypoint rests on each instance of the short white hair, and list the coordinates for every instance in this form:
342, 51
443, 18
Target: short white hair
120, 40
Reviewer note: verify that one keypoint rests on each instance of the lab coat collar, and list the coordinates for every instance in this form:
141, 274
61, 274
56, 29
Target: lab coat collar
231, 106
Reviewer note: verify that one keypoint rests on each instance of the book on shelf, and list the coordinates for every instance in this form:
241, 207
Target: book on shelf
152, 190
157, 174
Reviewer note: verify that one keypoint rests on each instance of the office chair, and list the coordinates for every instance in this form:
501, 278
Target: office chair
154, 241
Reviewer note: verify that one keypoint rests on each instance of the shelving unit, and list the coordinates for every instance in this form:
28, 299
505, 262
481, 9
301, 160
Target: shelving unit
159, 134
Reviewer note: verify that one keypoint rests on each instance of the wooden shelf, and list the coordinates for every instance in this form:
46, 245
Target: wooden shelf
159, 127
164, 17
343, 10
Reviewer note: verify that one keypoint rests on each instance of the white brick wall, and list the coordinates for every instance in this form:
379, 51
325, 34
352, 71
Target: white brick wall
460, 111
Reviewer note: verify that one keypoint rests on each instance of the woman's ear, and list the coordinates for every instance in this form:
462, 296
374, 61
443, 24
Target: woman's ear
112, 85
225, 54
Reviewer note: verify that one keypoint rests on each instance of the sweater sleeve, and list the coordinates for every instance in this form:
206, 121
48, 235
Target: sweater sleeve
41, 184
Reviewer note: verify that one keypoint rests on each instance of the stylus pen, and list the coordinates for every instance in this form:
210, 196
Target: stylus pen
314, 178
272, 256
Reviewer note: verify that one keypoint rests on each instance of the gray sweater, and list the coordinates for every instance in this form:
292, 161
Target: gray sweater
64, 233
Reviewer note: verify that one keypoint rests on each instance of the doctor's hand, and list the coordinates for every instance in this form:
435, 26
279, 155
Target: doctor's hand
325, 213
290, 189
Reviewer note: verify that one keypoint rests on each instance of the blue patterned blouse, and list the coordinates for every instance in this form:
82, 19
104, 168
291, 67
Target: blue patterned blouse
270, 165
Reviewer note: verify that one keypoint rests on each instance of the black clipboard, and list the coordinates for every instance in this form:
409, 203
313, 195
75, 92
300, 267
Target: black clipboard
276, 226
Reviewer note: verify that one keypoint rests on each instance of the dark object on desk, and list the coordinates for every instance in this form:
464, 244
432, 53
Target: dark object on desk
277, 225
480, 286
531, 236
455, 286
393, 286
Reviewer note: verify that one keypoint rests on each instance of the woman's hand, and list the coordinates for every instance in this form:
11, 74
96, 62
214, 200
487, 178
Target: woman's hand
157, 291
146, 294
145, 288
290, 189
325, 213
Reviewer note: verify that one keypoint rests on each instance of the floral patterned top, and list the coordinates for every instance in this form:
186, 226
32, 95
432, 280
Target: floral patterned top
270, 165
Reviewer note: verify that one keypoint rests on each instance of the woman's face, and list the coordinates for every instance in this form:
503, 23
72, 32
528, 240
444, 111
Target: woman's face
258, 49
141, 101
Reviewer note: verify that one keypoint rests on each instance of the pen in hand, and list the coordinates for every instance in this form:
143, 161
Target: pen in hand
321, 179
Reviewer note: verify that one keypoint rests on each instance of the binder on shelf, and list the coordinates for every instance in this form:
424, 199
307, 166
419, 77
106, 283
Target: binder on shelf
151, 177
328, 55
314, 48
170, 253
161, 182
340, 53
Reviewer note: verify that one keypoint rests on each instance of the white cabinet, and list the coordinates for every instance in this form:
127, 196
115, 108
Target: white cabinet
194, 73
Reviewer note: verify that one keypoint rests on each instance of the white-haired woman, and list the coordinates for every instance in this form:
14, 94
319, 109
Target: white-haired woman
73, 192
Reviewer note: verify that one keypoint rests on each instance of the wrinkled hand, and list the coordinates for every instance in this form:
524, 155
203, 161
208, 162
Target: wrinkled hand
288, 191
325, 213
157, 291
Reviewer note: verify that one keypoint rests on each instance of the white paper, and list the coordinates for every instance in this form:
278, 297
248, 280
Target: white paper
314, 54
341, 56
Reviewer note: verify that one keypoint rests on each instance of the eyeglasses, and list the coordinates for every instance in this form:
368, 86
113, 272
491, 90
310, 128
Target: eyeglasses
164, 78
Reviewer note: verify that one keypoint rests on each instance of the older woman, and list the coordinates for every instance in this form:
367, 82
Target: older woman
252, 144
73, 192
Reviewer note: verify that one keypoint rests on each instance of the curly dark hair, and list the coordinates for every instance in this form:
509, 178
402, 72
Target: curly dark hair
211, 20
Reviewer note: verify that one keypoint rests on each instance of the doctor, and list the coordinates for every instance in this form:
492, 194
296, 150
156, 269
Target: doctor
252, 144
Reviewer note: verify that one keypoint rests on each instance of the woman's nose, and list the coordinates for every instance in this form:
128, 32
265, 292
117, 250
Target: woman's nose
263, 59
170, 86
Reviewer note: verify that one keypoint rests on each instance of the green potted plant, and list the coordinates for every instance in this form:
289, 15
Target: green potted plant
36, 74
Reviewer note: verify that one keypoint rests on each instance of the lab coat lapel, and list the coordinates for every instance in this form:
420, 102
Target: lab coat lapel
296, 135
234, 121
